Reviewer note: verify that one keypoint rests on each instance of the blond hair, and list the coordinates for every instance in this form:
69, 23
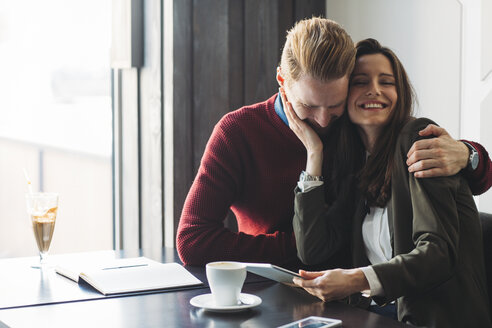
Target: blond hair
317, 47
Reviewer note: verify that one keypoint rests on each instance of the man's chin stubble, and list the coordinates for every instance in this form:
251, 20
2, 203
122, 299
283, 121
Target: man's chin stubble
323, 131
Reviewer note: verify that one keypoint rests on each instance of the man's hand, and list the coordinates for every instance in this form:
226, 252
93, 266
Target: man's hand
440, 156
332, 284
303, 131
307, 135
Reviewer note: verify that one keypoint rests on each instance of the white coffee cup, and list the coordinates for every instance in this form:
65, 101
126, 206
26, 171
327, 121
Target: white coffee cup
226, 280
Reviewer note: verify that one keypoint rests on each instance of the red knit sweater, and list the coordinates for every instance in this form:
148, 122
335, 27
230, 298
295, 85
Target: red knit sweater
251, 165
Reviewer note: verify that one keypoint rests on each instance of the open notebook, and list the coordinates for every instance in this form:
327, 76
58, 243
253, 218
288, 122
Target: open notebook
128, 275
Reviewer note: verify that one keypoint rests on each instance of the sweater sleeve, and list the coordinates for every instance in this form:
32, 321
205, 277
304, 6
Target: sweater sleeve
201, 236
435, 231
480, 180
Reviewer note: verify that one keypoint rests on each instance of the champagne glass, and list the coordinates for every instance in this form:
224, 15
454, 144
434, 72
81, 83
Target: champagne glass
42, 208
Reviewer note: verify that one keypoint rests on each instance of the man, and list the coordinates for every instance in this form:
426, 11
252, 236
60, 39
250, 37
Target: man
252, 161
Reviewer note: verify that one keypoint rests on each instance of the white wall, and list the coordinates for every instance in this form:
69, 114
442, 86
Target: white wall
441, 44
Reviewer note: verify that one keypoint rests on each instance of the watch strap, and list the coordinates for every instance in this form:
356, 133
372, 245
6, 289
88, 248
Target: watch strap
308, 177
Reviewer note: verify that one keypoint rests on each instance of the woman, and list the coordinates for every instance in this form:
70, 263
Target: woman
416, 241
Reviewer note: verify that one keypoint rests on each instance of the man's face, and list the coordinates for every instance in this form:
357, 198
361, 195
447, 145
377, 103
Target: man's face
316, 102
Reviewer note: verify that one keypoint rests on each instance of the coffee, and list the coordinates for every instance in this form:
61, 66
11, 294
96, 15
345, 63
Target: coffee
43, 226
226, 265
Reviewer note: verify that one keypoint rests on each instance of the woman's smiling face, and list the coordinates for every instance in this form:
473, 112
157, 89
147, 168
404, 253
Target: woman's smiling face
372, 94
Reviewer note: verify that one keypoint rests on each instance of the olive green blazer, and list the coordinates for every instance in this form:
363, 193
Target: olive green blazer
437, 273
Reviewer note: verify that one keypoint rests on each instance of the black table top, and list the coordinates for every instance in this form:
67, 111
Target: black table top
280, 304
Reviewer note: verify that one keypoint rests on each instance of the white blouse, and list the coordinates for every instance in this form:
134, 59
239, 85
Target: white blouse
377, 242
376, 235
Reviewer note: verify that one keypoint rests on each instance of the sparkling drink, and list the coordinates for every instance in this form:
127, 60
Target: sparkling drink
42, 209
43, 226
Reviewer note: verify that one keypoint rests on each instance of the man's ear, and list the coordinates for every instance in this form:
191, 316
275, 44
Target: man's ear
280, 78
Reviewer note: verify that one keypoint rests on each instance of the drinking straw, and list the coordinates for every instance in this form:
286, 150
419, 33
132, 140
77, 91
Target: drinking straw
29, 185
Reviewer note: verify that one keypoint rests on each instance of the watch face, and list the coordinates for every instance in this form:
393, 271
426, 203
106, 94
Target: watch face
474, 160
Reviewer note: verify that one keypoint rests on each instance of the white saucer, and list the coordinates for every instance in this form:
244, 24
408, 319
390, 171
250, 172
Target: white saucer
206, 302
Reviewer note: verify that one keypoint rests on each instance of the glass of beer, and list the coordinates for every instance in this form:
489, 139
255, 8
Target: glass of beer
42, 208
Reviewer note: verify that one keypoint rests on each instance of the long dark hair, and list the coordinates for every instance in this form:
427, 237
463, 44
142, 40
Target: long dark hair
345, 160
375, 177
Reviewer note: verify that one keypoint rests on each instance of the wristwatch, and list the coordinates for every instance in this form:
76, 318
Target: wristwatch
474, 157
307, 177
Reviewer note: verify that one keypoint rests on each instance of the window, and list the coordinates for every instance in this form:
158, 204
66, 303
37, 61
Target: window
56, 121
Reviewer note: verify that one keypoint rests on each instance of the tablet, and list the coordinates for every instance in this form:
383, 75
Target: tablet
314, 322
273, 272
